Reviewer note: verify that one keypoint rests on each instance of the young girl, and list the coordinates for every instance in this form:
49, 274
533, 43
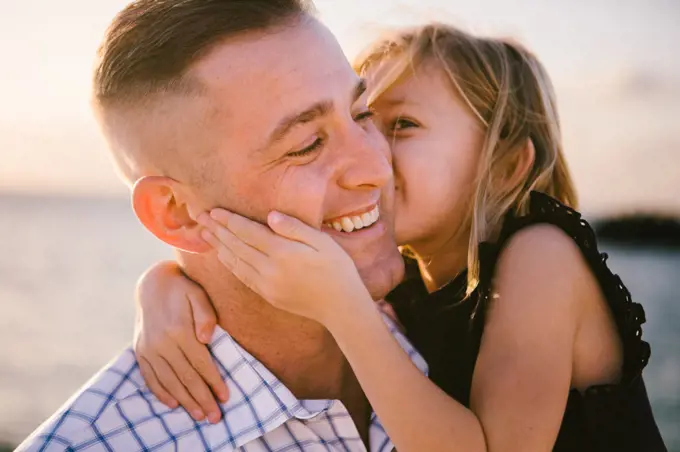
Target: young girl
533, 344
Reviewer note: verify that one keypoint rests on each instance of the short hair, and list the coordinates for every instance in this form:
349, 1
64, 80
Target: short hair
151, 44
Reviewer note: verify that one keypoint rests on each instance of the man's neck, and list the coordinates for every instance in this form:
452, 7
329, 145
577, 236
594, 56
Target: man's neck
301, 353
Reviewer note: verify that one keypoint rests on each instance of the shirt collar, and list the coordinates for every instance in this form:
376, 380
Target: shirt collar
258, 396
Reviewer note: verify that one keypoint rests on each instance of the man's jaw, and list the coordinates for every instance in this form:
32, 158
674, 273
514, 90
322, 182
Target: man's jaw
371, 247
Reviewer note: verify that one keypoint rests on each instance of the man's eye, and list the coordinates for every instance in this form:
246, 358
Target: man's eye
402, 124
308, 150
364, 115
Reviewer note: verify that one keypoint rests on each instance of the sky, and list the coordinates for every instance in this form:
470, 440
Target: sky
614, 63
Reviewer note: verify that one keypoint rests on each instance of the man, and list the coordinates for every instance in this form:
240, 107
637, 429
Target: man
248, 105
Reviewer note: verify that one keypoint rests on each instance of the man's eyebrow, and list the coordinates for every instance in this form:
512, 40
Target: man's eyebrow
312, 113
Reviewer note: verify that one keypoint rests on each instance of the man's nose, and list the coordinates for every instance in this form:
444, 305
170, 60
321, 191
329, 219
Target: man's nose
368, 162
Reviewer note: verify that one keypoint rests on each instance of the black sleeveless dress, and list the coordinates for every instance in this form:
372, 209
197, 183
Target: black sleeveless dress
448, 332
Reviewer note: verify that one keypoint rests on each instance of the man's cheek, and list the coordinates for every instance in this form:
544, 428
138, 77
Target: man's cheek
301, 194
251, 197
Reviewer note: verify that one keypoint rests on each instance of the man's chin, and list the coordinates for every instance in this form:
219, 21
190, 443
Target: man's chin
375, 255
383, 274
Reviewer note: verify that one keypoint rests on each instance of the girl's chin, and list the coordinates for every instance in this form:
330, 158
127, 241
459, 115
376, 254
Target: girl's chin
412, 237
406, 233
403, 239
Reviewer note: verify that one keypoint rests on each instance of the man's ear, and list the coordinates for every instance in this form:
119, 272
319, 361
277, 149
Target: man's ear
159, 204
521, 165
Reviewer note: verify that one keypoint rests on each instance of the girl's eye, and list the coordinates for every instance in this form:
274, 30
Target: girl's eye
403, 124
308, 150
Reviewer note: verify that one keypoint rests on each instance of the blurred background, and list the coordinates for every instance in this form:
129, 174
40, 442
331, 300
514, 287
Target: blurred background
71, 249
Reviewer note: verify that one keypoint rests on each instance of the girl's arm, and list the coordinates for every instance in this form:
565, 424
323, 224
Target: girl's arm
523, 373
173, 313
175, 320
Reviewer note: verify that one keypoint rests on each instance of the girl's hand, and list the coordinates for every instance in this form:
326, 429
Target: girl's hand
172, 312
293, 266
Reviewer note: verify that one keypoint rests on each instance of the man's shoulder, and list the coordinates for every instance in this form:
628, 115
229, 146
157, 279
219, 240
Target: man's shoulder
116, 411
94, 411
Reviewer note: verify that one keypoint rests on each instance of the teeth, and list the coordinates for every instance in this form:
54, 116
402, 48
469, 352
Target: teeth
347, 224
354, 223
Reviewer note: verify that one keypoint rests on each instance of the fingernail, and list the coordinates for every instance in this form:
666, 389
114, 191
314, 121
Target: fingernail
214, 418
214, 214
275, 216
224, 397
198, 415
173, 404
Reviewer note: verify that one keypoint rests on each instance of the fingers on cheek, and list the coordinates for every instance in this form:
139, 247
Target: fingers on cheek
225, 236
226, 257
210, 238
210, 223
218, 241
219, 216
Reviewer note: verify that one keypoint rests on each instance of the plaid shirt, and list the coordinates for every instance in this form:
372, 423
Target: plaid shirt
115, 411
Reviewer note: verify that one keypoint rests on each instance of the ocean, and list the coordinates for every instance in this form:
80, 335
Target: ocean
68, 267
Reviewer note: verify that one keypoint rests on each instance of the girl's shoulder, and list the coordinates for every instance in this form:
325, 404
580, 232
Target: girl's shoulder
549, 237
558, 245
544, 209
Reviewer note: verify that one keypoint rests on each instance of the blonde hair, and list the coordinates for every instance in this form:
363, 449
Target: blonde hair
509, 91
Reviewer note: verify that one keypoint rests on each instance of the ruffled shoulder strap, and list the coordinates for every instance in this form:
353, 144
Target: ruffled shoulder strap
629, 316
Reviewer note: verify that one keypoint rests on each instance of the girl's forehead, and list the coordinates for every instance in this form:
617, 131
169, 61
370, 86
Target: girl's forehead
409, 85
385, 75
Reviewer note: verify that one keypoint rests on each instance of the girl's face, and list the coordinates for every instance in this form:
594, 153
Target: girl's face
436, 141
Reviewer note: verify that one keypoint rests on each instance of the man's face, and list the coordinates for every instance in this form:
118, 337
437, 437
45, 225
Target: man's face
285, 127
